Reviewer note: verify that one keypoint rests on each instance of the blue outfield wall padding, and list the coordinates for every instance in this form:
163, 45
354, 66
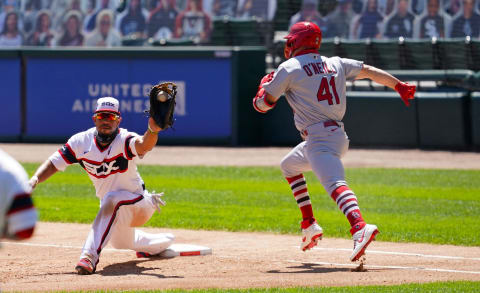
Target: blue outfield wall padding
204, 114
441, 118
10, 112
201, 112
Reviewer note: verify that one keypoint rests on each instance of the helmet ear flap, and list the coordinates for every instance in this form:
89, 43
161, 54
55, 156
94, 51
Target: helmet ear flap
288, 48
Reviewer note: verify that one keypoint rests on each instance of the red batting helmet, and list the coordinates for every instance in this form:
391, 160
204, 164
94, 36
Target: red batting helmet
303, 34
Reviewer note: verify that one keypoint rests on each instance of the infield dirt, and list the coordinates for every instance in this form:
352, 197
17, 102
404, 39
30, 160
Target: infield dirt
239, 260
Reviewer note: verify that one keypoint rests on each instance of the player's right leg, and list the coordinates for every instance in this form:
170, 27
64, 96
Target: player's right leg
126, 236
103, 227
293, 165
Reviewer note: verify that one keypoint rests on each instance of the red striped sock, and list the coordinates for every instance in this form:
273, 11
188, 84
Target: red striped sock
299, 190
348, 204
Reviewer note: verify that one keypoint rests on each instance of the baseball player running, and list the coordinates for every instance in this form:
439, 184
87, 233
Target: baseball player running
17, 213
108, 153
315, 88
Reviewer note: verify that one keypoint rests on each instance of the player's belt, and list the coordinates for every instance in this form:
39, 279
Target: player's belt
325, 124
330, 123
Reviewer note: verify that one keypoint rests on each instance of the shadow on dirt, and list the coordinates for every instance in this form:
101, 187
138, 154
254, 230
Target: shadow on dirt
132, 268
309, 268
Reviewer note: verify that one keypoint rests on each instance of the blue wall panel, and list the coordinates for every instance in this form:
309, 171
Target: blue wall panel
62, 94
10, 115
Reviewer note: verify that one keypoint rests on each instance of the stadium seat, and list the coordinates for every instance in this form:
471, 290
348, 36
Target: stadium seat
179, 42
453, 53
133, 41
474, 47
383, 54
281, 18
418, 54
285, 10
327, 48
434, 74
433, 80
221, 33
236, 32
245, 33
352, 49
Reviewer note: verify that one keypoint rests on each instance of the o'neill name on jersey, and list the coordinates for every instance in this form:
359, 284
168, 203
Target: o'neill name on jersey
133, 98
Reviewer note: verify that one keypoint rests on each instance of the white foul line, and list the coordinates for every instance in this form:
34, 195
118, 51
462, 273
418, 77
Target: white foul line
315, 248
56, 245
389, 267
293, 261
401, 253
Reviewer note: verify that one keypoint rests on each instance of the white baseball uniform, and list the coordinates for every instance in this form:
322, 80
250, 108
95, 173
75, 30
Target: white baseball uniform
17, 213
124, 201
315, 88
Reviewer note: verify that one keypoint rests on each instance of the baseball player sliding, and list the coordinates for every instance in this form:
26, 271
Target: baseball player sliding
108, 154
315, 88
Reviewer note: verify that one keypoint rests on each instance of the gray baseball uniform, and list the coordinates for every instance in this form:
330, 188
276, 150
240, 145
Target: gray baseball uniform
315, 88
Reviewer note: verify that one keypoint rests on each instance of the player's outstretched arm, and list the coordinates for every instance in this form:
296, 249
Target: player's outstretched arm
145, 143
45, 171
380, 76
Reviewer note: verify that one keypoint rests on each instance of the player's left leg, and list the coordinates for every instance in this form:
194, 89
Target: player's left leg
293, 165
324, 149
145, 244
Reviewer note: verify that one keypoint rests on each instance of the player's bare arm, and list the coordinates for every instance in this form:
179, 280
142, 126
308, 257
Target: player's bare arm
45, 171
380, 76
145, 143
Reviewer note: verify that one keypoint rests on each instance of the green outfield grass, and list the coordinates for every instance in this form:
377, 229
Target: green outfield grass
440, 287
430, 206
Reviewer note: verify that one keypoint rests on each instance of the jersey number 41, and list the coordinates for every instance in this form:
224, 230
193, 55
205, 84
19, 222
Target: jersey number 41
325, 91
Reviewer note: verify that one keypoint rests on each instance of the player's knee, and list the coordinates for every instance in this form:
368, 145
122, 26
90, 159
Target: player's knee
285, 166
332, 185
109, 202
169, 241
119, 243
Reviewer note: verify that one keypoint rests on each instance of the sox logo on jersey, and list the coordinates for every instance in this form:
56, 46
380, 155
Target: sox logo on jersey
105, 168
103, 164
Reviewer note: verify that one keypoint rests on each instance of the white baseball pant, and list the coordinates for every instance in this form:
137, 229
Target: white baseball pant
120, 212
325, 144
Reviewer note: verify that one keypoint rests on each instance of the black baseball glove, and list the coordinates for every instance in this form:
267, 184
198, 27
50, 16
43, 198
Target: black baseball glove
162, 104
